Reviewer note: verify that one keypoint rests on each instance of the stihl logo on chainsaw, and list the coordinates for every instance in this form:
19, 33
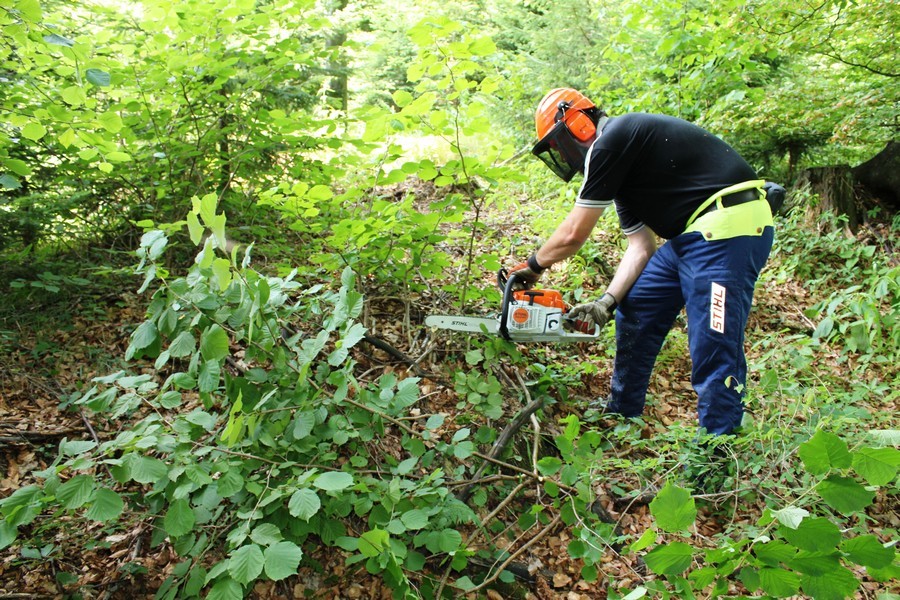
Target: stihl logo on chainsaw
717, 308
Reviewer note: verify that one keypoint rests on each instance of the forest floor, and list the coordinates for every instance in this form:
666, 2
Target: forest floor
53, 346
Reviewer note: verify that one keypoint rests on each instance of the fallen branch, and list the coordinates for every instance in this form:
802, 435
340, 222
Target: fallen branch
411, 362
31, 437
502, 440
543, 532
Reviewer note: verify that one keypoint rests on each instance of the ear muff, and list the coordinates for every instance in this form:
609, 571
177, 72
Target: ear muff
580, 125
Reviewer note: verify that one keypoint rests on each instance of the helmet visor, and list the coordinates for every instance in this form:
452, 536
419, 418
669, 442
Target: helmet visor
560, 151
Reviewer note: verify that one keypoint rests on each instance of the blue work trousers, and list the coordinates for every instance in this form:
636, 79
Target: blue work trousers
714, 281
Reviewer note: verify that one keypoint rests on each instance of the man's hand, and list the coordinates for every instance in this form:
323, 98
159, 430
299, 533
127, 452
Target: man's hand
598, 312
527, 273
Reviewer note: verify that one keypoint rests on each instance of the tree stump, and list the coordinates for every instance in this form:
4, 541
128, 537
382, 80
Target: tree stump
881, 175
835, 188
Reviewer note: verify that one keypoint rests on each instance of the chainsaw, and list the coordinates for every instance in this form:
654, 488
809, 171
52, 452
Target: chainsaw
535, 315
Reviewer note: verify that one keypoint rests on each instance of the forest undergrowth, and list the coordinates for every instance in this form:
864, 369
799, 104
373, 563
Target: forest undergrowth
293, 430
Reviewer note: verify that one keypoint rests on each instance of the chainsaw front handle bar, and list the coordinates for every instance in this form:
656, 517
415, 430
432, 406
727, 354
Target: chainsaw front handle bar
506, 282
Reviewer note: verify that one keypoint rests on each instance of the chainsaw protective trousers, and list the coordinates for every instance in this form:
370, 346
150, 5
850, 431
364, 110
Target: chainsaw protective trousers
714, 281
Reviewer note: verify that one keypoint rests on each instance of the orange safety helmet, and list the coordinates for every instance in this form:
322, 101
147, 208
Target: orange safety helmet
566, 123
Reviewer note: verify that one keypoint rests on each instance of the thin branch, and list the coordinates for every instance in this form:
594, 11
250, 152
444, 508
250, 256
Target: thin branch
543, 532
502, 440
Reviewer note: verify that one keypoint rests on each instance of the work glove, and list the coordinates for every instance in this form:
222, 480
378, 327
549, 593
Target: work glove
527, 273
584, 316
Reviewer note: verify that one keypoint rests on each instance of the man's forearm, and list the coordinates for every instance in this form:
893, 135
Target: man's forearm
569, 237
641, 247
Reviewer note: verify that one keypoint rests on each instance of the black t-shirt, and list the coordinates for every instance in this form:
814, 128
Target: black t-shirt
658, 170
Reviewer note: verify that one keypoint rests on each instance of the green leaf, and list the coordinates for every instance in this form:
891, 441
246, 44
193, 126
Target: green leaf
463, 450
221, 268
435, 421
461, 434
483, 46
118, 157
473, 357
76, 447
549, 465
669, 559
58, 40
30, 9
246, 563
145, 335
674, 509
779, 582
203, 419
885, 437
333, 481
266, 534
304, 422
8, 182
226, 589
208, 377
824, 451
775, 552
145, 469
214, 343
97, 77
415, 561
464, 583
230, 483
402, 98
106, 505
320, 192
19, 167
8, 534
76, 492
790, 516
867, 550
34, 131
835, 584
353, 335
815, 563
450, 540
750, 578
844, 494
878, 466
407, 392
816, 534
179, 519
206, 207
183, 345
373, 542
304, 504
414, 519
110, 121
195, 229
647, 538
282, 560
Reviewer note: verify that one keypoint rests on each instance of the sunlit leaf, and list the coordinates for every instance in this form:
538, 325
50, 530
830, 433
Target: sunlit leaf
673, 508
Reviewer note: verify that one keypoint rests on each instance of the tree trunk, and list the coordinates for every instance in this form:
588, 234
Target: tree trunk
834, 187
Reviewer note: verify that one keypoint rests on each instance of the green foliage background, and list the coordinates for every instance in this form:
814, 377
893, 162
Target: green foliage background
306, 132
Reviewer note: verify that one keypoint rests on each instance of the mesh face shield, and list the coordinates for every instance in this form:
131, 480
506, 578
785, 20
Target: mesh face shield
562, 152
